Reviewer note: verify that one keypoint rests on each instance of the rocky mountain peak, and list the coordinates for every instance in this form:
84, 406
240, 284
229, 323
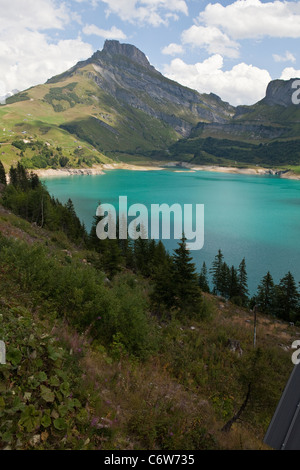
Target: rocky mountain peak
113, 47
280, 92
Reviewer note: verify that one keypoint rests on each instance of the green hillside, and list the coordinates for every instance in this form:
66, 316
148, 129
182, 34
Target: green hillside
210, 150
98, 357
116, 107
76, 114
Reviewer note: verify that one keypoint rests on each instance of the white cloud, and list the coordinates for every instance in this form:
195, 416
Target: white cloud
28, 59
36, 17
112, 33
218, 29
153, 12
243, 84
212, 39
173, 49
290, 72
254, 19
288, 57
27, 55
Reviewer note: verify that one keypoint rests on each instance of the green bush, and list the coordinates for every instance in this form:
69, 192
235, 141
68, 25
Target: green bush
77, 292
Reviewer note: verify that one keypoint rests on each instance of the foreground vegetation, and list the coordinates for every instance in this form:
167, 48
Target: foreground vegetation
99, 357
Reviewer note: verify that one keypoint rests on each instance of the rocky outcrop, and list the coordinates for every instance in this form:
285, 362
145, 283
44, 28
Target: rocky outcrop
125, 73
238, 130
279, 92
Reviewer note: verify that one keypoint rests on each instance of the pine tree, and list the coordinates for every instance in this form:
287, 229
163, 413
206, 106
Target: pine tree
34, 181
72, 225
216, 272
70, 207
163, 294
243, 283
2, 174
13, 176
93, 239
141, 256
112, 258
224, 281
23, 180
265, 297
19, 178
233, 283
287, 298
203, 281
160, 253
187, 291
126, 248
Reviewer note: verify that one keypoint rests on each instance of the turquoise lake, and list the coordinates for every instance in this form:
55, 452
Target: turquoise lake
256, 217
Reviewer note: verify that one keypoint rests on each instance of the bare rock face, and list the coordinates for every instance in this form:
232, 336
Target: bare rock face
113, 48
279, 92
124, 72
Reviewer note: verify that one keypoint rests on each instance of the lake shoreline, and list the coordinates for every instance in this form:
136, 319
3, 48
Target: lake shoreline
177, 167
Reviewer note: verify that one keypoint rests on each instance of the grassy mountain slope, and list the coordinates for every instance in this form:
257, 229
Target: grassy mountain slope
65, 388
114, 104
266, 133
76, 113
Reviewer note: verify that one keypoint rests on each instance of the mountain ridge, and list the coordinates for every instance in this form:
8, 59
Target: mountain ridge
118, 106
125, 73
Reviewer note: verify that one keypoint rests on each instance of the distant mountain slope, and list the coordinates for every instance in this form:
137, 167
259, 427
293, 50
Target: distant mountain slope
266, 133
116, 105
124, 73
113, 103
274, 117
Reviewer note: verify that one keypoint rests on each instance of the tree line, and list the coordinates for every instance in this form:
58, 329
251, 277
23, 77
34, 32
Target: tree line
176, 286
280, 300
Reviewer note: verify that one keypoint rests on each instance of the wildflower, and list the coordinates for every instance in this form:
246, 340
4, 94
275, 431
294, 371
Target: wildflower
94, 422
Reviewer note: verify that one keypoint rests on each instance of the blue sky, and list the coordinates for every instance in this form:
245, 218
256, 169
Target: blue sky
231, 48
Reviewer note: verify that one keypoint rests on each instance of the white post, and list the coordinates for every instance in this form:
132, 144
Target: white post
2, 353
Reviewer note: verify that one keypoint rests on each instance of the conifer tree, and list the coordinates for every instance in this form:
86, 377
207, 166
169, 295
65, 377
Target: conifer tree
112, 258
163, 294
141, 256
13, 176
34, 181
224, 280
287, 298
22, 177
70, 207
94, 241
233, 283
265, 297
2, 174
160, 253
71, 223
243, 282
216, 272
187, 291
203, 281
126, 248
